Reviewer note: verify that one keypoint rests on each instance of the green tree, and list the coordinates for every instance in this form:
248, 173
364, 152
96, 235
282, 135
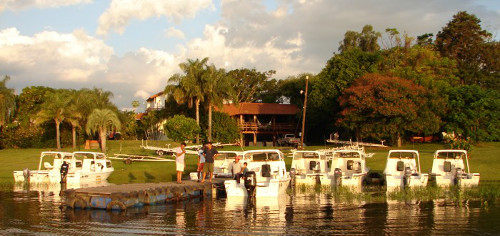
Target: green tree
226, 129
180, 128
7, 102
55, 108
76, 108
102, 121
188, 87
464, 40
251, 85
218, 87
366, 40
474, 112
381, 107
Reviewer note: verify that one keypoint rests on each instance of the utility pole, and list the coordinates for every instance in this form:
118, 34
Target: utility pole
304, 115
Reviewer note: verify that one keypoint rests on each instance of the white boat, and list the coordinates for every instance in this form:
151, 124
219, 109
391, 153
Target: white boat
266, 175
448, 169
402, 170
221, 164
84, 167
310, 167
348, 167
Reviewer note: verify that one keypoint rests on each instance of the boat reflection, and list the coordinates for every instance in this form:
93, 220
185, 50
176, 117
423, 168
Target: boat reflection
54, 191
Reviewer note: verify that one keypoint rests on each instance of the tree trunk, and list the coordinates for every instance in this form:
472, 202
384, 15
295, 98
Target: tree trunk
400, 142
58, 135
197, 118
210, 122
73, 131
102, 136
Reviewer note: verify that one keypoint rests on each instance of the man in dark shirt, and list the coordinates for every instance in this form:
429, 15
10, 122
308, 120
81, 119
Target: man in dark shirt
210, 155
64, 171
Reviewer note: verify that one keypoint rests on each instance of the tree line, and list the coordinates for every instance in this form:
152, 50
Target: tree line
378, 86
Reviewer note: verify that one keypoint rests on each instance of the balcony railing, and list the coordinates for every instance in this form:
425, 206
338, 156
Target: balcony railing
252, 126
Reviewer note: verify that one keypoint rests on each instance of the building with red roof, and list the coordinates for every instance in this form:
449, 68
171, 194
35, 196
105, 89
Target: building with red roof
263, 122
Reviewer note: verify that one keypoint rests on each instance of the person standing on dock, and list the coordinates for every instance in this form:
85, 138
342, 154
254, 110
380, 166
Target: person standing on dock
179, 161
201, 161
210, 155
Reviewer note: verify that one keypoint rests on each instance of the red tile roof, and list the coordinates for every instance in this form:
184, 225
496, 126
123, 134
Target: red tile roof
153, 97
246, 108
139, 116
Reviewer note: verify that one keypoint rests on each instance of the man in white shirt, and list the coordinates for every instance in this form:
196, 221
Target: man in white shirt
179, 161
236, 169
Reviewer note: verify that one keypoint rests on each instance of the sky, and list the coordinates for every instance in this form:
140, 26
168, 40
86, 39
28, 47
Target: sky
132, 47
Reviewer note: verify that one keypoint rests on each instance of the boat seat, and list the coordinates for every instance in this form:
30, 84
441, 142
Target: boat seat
47, 166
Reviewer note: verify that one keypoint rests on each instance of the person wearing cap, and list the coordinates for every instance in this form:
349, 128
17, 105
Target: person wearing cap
236, 169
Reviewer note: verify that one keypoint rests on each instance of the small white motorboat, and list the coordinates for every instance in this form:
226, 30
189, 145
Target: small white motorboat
266, 175
310, 167
448, 169
348, 167
402, 170
84, 167
221, 164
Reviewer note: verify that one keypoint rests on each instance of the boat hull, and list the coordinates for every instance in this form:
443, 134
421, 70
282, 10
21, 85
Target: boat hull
273, 188
449, 180
54, 177
398, 181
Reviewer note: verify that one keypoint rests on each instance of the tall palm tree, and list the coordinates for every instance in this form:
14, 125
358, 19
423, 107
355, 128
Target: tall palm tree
55, 108
7, 102
77, 107
189, 87
102, 121
217, 88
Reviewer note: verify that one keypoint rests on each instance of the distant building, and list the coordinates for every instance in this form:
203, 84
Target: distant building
156, 102
263, 123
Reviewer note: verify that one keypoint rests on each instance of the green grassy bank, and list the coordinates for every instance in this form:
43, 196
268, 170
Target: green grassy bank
484, 159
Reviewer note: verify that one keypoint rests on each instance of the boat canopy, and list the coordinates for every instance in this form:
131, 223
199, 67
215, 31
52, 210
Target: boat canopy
263, 156
403, 154
450, 154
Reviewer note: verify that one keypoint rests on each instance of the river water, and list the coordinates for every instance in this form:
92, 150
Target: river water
41, 212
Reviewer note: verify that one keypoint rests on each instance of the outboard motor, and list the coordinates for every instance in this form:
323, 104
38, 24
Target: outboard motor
458, 176
407, 177
337, 174
293, 173
26, 174
250, 182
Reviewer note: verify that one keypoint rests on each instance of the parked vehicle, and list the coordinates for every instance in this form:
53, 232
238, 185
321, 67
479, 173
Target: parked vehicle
289, 140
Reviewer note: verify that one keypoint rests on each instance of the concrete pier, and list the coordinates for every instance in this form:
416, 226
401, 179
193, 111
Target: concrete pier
121, 197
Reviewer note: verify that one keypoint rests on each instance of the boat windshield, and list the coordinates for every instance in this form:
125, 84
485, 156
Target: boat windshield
403, 155
263, 156
84, 155
227, 155
52, 155
348, 154
450, 155
306, 155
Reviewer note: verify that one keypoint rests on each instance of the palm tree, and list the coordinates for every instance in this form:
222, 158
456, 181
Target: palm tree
7, 102
218, 87
55, 108
101, 121
77, 107
189, 88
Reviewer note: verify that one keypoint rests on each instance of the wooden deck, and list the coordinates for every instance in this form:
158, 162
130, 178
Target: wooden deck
121, 197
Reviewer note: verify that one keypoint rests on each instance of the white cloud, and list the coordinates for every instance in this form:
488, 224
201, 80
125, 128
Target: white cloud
121, 12
173, 32
15, 5
49, 55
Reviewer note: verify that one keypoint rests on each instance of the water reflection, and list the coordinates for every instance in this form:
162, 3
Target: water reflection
39, 212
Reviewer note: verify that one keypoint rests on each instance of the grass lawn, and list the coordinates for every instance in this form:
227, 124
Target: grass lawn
484, 159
